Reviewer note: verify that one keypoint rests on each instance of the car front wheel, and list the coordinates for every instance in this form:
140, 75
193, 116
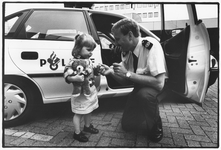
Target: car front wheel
18, 103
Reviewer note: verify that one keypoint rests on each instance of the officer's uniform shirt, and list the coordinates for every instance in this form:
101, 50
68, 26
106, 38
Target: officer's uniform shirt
151, 60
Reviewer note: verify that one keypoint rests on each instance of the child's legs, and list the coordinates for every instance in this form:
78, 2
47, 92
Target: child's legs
77, 123
87, 119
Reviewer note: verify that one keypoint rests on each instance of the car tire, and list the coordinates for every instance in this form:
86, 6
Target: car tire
19, 104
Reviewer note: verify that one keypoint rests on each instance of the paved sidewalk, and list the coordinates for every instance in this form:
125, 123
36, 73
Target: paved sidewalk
184, 125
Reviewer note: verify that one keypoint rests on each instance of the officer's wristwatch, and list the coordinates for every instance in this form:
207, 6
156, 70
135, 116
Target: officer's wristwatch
128, 74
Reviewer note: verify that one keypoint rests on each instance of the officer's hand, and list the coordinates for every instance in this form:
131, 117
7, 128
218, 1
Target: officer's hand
119, 69
106, 70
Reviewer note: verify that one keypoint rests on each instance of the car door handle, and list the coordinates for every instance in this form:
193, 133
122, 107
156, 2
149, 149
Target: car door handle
29, 55
191, 60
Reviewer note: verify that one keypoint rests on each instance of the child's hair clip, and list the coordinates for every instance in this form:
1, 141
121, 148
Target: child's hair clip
77, 36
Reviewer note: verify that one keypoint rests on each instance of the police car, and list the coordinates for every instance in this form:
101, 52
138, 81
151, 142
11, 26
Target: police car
38, 44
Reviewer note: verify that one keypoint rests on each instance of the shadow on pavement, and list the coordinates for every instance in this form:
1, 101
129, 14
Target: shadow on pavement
64, 109
105, 104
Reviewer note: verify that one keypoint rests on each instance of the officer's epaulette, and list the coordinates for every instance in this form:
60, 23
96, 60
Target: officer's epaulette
147, 44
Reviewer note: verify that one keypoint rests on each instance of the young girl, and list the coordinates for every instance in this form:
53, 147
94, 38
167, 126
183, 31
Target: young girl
82, 105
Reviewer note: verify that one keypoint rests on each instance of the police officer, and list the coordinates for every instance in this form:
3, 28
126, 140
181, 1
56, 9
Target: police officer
143, 64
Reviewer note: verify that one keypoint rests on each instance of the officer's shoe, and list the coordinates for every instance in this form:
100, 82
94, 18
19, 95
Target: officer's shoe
157, 132
91, 129
80, 137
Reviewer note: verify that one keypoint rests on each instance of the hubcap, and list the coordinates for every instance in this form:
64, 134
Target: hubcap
15, 101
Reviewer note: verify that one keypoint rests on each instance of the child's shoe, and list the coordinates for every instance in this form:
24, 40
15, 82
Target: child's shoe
80, 137
91, 129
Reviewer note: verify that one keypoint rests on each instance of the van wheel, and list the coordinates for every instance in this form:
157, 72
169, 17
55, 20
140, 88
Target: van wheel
18, 103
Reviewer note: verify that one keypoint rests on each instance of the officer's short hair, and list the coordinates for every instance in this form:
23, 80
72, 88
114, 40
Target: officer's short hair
125, 25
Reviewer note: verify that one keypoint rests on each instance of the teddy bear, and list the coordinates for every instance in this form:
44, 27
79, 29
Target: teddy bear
82, 67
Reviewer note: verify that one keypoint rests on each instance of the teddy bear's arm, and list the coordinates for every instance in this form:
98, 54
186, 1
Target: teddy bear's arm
76, 79
67, 72
72, 76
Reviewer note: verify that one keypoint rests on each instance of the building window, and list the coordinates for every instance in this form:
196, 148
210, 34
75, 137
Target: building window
121, 6
139, 5
156, 14
144, 5
106, 8
139, 14
150, 15
144, 15
150, 5
111, 7
128, 6
117, 7
156, 5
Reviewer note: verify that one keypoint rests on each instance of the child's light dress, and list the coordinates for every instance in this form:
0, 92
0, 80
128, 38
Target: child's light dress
85, 104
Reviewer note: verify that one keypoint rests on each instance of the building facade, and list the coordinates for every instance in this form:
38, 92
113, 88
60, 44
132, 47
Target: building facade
139, 12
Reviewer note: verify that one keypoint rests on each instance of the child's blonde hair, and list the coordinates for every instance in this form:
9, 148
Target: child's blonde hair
82, 40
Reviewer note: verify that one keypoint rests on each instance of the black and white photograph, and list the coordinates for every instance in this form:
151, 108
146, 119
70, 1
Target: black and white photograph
110, 74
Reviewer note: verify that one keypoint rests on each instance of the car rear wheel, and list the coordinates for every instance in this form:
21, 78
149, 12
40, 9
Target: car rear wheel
19, 102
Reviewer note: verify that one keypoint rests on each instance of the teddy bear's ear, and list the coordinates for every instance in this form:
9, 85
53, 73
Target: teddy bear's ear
75, 63
83, 62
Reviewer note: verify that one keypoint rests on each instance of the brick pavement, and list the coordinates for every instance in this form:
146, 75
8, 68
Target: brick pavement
184, 125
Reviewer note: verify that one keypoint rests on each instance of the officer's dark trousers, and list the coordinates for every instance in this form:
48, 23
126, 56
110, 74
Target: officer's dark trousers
141, 106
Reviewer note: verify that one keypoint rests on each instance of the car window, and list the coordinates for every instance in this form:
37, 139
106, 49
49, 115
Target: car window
210, 17
9, 24
54, 25
12, 22
174, 21
104, 42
